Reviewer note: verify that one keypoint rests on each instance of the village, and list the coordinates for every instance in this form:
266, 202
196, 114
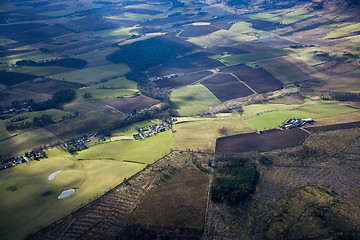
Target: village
154, 129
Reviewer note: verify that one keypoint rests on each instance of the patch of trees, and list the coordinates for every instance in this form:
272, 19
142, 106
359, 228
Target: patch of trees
57, 100
237, 179
341, 96
37, 122
66, 62
147, 87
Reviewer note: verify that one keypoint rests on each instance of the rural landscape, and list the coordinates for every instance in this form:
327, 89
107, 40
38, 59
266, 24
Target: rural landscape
169, 119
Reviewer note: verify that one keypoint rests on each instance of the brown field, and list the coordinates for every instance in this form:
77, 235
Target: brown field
195, 31
337, 67
316, 129
169, 83
291, 99
277, 42
258, 79
188, 64
262, 24
40, 89
266, 141
226, 87
287, 69
347, 81
254, 46
177, 200
127, 105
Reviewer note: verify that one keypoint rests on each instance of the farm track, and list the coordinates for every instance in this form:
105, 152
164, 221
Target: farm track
105, 217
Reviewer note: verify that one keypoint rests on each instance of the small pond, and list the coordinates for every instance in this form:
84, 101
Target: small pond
52, 176
66, 193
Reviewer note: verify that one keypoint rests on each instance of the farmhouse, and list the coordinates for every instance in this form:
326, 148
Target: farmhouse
293, 123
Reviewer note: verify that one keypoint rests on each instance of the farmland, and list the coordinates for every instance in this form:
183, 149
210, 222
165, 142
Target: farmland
273, 119
193, 99
31, 181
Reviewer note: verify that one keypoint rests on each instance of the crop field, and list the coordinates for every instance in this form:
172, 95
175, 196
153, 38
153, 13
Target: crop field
93, 75
283, 18
255, 109
122, 33
42, 207
193, 99
195, 31
26, 142
92, 22
169, 83
254, 56
277, 42
218, 50
10, 29
268, 140
262, 25
258, 79
140, 151
178, 200
273, 119
226, 87
287, 69
245, 27
221, 37
127, 105
12, 78
188, 64
201, 135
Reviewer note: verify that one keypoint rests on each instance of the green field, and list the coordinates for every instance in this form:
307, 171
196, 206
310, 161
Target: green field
42, 71
34, 55
120, 33
56, 114
132, 17
131, 129
221, 37
202, 135
274, 119
93, 75
140, 151
283, 18
34, 204
340, 30
117, 87
193, 99
26, 142
245, 27
254, 56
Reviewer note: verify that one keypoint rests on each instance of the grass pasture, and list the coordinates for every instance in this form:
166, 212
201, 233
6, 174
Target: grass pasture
45, 71
275, 118
136, 17
283, 17
56, 114
254, 56
122, 33
26, 142
114, 88
341, 30
94, 74
34, 55
140, 151
245, 27
202, 134
193, 99
41, 206
131, 129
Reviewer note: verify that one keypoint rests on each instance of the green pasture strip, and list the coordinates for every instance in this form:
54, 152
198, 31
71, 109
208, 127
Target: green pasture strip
5, 133
202, 135
193, 99
144, 151
276, 118
117, 83
27, 141
56, 114
284, 17
42, 70
4, 40
120, 33
339, 30
93, 75
137, 17
104, 93
34, 204
245, 27
131, 129
34, 55
254, 56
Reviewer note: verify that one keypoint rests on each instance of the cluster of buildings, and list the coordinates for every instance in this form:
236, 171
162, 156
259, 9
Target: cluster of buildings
25, 158
154, 129
13, 111
293, 123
